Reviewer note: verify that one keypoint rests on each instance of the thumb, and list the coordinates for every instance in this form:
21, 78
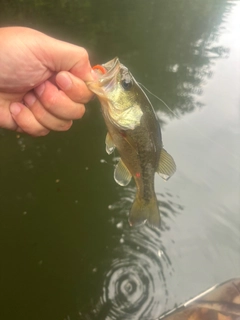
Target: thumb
64, 56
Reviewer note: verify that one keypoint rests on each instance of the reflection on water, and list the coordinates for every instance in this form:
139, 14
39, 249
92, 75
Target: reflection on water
135, 283
180, 34
168, 206
65, 251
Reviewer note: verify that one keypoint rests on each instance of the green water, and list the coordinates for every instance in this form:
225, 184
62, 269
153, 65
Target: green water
66, 250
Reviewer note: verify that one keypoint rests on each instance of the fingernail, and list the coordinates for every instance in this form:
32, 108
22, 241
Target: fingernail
39, 90
15, 108
64, 81
29, 99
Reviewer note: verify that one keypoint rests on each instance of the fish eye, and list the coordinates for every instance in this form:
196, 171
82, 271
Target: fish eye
127, 83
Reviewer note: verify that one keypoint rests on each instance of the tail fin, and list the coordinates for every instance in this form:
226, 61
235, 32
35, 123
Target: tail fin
143, 211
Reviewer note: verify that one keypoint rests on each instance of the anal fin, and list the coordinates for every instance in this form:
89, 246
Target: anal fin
121, 174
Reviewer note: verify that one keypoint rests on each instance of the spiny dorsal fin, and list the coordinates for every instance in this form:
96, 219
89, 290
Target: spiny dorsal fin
109, 144
121, 174
166, 166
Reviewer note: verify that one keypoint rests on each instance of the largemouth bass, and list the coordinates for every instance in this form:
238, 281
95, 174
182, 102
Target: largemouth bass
134, 130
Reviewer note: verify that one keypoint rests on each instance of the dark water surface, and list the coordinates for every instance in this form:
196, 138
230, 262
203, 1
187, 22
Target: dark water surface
66, 250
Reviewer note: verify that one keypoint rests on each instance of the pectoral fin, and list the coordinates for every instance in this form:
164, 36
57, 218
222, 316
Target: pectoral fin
121, 174
166, 166
109, 144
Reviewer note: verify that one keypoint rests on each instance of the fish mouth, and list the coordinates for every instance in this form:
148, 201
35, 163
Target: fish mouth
112, 68
111, 65
106, 78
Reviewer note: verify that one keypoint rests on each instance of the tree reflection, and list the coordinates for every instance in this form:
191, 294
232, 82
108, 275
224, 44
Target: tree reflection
170, 46
185, 35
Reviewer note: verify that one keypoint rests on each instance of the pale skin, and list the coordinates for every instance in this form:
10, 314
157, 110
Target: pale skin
42, 82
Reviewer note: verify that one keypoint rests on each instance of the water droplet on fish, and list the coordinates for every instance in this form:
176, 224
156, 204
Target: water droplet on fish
119, 225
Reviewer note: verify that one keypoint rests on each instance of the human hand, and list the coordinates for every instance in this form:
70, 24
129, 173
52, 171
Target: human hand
42, 81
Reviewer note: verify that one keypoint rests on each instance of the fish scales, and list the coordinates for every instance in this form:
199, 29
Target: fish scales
133, 129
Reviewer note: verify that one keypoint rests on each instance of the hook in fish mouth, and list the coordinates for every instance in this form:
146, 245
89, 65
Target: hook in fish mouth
106, 77
107, 71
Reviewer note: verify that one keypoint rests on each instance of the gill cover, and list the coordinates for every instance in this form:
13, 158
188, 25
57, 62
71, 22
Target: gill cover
115, 94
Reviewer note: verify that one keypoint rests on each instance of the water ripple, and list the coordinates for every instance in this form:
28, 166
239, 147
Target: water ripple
135, 285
